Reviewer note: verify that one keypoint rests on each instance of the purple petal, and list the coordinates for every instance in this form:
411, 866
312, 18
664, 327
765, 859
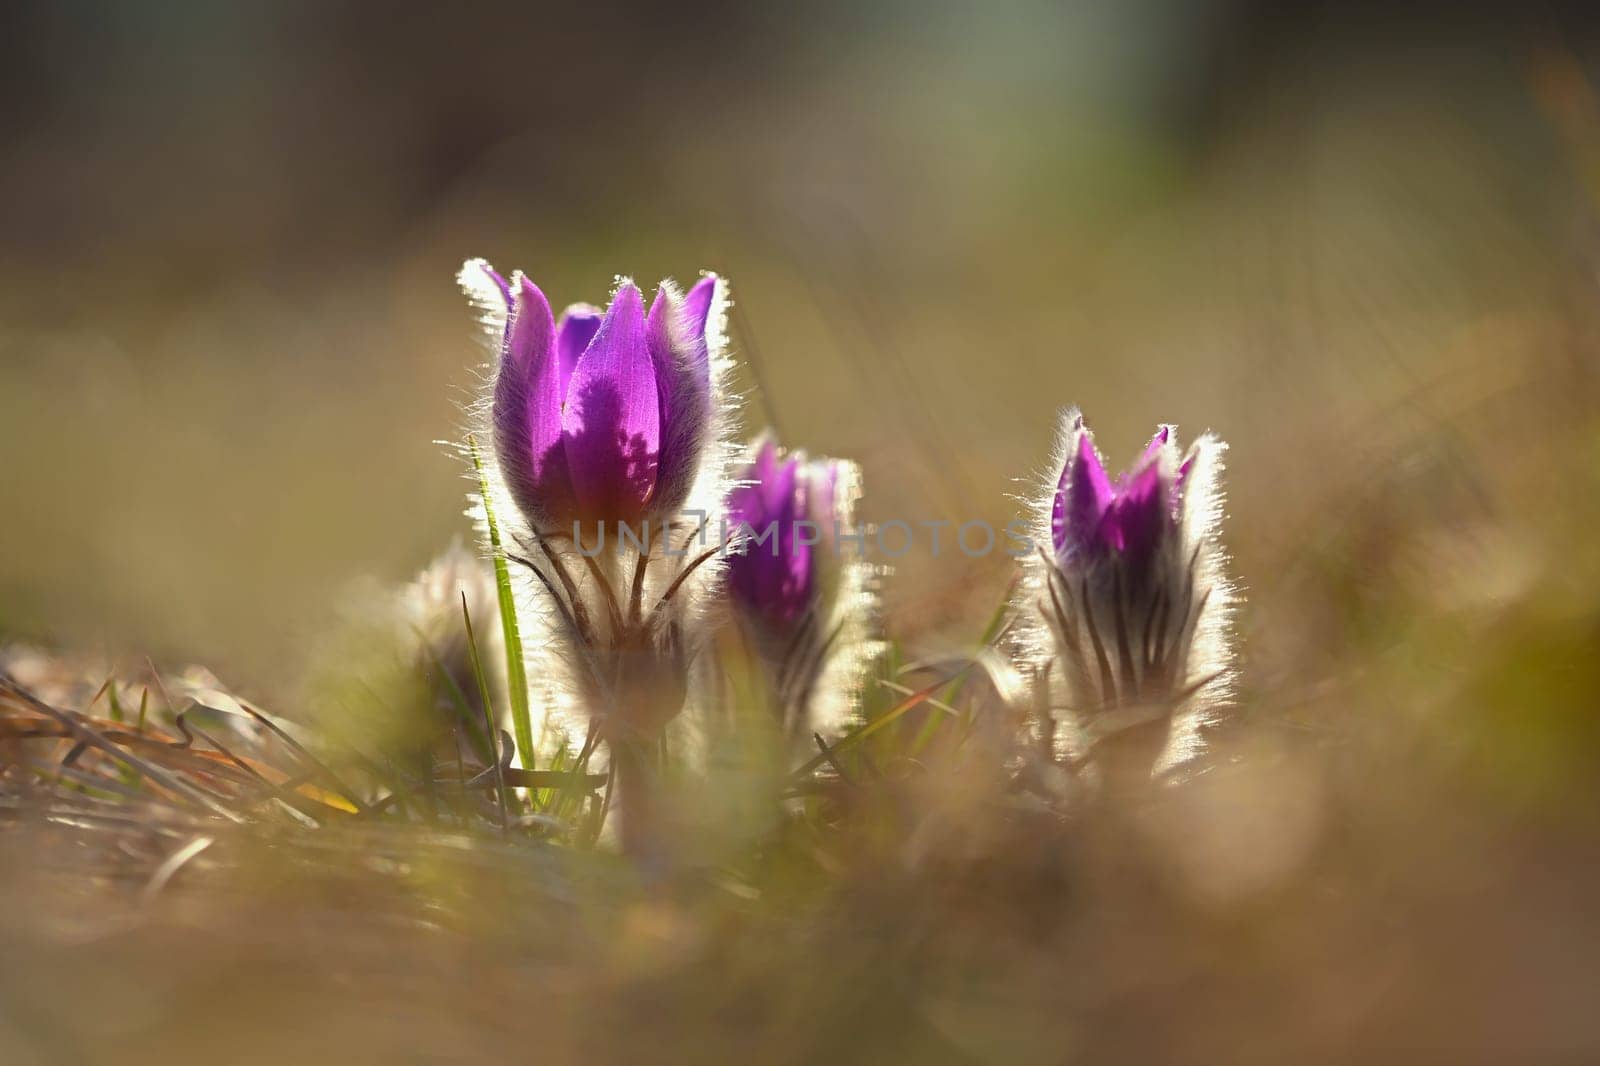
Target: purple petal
749, 502
504, 286
778, 492
1134, 522
697, 306
1082, 496
772, 581
612, 416
772, 484
1157, 442
765, 467
744, 504
573, 333
681, 362
527, 410
799, 578
782, 491
696, 313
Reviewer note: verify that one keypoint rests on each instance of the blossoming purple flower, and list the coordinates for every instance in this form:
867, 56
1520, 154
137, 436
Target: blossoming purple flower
791, 585
610, 419
601, 417
774, 580
1133, 594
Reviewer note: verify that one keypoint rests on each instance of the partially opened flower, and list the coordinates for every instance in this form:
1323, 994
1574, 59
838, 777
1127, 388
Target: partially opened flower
774, 581
602, 417
808, 609
612, 438
1135, 599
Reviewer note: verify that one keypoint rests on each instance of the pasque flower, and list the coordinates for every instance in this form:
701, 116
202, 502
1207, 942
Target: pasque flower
807, 608
612, 420
602, 417
1134, 598
774, 581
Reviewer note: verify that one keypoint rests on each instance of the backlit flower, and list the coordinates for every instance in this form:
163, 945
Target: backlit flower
1134, 597
808, 608
613, 439
773, 582
601, 417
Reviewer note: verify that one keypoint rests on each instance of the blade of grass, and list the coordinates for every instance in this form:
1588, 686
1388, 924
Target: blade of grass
516, 670
544, 797
171, 865
153, 773
488, 716
944, 709
948, 697
882, 721
300, 751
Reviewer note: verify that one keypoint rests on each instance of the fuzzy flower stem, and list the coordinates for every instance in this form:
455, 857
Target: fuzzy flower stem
639, 826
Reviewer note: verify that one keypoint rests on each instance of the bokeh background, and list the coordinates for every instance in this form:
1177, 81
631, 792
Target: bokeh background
1358, 241
229, 336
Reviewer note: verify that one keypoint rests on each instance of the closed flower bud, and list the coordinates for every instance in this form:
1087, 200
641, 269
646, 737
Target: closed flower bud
808, 609
1135, 652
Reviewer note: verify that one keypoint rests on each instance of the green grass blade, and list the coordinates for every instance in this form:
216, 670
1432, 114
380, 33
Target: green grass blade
881, 722
516, 670
990, 631
488, 714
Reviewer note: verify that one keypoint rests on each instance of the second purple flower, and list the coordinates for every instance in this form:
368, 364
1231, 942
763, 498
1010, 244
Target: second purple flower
809, 612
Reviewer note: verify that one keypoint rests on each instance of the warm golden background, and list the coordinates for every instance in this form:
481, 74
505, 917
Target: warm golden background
1359, 243
229, 335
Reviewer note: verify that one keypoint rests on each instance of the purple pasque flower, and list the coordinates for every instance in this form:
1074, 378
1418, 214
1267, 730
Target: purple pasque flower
1093, 516
774, 580
601, 417
606, 418
1134, 594
791, 587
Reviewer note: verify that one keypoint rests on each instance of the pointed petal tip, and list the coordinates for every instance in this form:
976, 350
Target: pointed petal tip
625, 312
476, 277
764, 461
612, 417
627, 290
1089, 456
1082, 496
697, 303
475, 267
525, 297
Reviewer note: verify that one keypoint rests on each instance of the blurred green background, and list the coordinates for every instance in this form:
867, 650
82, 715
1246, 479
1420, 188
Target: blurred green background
1356, 243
